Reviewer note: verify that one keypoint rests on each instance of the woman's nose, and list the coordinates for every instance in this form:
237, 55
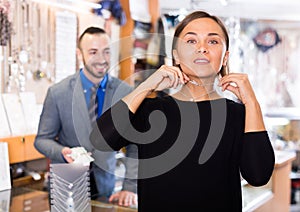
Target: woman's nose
201, 49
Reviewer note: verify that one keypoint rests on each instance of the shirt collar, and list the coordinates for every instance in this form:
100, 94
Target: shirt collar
87, 84
104, 81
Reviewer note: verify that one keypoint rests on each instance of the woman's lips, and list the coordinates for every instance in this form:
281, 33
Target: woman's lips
201, 61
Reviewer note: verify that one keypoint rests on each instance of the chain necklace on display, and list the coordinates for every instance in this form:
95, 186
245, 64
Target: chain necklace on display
69, 184
56, 207
75, 192
68, 204
66, 200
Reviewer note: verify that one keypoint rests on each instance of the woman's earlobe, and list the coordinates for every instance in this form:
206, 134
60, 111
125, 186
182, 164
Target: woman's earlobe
225, 60
175, 56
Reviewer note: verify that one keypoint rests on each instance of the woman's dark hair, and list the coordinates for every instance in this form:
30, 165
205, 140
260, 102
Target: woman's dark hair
197, 15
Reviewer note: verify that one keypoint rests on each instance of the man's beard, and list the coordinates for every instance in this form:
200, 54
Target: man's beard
90, 69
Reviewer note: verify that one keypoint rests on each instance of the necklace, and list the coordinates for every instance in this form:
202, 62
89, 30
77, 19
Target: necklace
56, 186
69, 201
193, 99
70, 185
201, 85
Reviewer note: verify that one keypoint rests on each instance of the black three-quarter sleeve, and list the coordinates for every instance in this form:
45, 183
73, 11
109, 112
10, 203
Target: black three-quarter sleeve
107, 133
257, 158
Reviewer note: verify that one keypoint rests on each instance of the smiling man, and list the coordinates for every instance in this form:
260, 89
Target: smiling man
67, 117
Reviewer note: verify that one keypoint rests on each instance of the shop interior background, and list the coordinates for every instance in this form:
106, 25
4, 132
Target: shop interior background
38, 48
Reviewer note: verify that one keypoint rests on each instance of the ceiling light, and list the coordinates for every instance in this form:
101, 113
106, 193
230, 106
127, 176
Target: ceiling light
224, 2
74, 5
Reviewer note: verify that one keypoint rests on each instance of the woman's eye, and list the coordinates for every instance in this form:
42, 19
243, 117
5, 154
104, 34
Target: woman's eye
213, 42
191, 41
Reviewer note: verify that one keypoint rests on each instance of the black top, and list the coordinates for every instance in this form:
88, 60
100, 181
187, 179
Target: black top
191, 154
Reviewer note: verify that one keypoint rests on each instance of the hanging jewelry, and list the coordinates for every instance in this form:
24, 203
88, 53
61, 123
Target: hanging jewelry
58, 186
64, 198
69, 184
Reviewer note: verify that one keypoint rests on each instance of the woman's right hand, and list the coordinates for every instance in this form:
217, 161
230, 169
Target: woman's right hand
165, 77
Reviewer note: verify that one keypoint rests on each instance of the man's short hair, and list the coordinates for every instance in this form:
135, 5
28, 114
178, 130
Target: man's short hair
91, 30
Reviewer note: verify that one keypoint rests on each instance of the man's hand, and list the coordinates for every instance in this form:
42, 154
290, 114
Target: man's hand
66, 152
124, 198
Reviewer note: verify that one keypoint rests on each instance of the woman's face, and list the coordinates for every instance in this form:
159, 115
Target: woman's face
201, 48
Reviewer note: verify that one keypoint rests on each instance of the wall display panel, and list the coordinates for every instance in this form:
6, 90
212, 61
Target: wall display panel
4, 126
14, 113
66, 36
31, 111
4, 169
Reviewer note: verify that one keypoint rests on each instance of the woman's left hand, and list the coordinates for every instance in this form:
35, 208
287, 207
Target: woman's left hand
239, 84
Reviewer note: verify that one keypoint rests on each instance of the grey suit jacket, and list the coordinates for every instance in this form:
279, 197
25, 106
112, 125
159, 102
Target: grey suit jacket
65, 122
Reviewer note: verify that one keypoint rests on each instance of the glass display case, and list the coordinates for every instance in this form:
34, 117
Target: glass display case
275, 196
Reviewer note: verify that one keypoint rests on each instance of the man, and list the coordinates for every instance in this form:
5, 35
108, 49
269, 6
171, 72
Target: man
65, 121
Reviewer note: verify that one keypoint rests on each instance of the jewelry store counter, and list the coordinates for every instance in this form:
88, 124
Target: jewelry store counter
275, 196
98, 206
22, 199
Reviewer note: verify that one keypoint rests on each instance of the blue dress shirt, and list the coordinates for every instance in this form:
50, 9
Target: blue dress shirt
87, 84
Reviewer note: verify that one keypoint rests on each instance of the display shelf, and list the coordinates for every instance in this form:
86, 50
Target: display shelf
291, 113
28, 181
21, 148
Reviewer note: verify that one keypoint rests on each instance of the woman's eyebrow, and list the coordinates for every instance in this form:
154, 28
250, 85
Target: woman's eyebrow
214, 34
209, 34
190, 33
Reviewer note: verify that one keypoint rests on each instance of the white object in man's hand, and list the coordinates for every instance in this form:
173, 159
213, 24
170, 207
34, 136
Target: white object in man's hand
81, 156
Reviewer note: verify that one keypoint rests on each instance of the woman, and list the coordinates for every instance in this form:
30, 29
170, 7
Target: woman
194, 144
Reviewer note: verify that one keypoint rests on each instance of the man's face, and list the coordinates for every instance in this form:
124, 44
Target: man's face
95, 55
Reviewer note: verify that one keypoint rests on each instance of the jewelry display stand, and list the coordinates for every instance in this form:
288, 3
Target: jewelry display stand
69, 188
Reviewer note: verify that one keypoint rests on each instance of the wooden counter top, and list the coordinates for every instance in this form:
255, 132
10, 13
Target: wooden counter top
106, 207
27, 199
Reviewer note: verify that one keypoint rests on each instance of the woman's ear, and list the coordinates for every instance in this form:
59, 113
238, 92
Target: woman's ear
225, 59
175, 56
